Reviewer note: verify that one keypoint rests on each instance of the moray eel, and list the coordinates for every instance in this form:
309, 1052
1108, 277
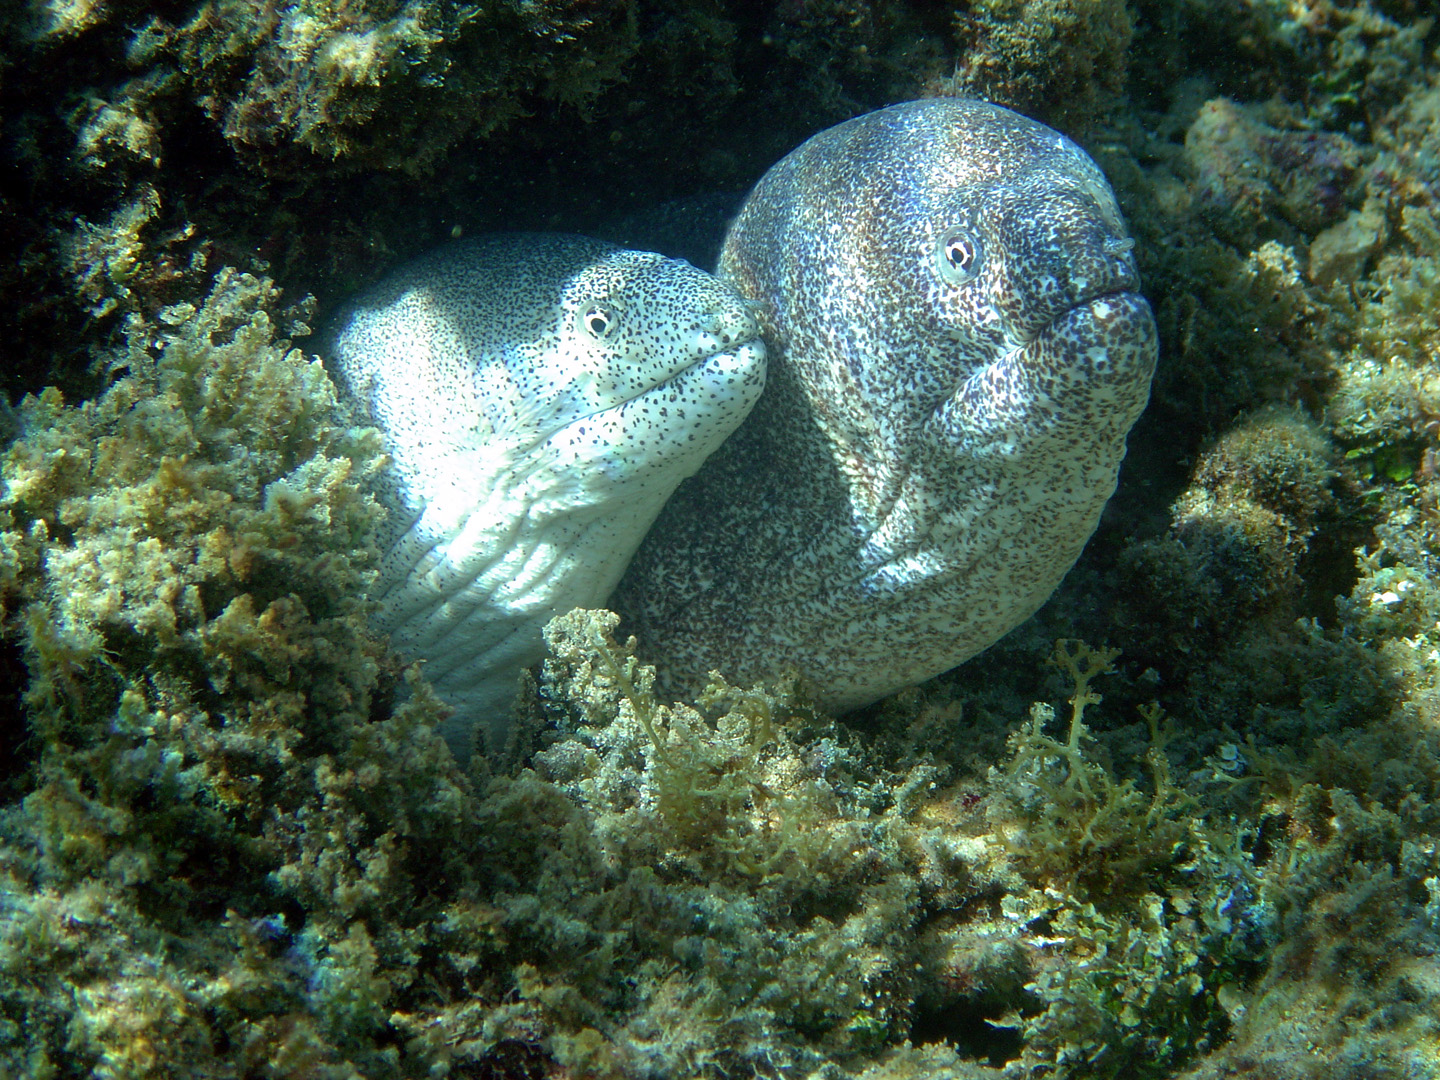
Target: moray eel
540, 397
957, 352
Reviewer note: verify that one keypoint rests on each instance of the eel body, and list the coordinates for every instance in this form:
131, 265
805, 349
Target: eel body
541, 395
957, 350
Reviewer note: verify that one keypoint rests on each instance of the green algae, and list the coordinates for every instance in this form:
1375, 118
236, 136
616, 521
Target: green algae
185, 576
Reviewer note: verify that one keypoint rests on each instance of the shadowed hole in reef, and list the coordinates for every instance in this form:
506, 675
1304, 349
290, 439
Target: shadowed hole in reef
18, 748
1328, 569
964, 1025
510, 1059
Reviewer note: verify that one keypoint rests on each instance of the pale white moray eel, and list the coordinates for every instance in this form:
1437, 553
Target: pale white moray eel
958, 348
541, 396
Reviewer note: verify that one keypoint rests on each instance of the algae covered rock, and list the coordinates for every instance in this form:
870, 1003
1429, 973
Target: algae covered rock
185, 575
1057, 60
1259, 180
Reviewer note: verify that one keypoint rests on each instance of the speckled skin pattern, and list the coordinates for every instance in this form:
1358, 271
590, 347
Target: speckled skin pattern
540, 396
957, 351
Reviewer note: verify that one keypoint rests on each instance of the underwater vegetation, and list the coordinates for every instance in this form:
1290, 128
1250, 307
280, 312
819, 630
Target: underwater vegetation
1203, 843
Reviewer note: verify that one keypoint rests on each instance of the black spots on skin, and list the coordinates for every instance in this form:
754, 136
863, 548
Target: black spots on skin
906, 415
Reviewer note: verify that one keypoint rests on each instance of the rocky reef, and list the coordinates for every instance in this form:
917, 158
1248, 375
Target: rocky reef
1204, 844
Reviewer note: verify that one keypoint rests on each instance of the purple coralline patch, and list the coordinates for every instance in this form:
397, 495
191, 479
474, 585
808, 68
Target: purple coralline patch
1259, 181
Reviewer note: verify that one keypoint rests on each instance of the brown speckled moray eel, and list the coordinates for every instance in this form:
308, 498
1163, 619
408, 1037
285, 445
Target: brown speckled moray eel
957, 349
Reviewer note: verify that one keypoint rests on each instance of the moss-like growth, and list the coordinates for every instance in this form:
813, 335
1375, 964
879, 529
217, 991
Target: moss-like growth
1058, 60
1252, 507
1238, 536
212, 856
1084, 828
788, 870
1150, 908
766, 813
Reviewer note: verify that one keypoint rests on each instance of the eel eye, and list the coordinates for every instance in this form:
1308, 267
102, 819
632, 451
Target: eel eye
959, 256
599, 320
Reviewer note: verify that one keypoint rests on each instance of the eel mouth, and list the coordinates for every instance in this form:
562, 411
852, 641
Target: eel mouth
736, 356
1089, 324
730, 342
1106, 274
682, 408
1087, 370
1106, 269
1107, 341
729, 359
